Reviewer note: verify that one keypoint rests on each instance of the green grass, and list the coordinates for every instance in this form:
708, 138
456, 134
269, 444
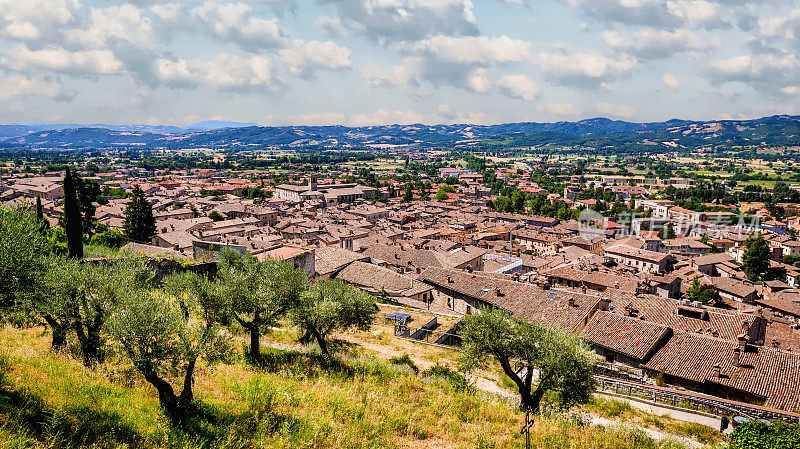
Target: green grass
91, 251
293, 399
621, 410
766, 184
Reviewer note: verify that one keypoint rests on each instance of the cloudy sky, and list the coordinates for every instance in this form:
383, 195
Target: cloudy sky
359, 62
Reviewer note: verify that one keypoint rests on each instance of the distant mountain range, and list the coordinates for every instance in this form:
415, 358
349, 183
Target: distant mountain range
598, 133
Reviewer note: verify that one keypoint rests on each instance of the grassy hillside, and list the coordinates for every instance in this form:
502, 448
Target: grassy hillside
293, 400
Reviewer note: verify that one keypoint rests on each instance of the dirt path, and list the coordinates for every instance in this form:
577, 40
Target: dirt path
484, 383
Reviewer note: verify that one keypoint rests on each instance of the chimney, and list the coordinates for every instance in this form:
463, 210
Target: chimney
176, 247
736, 357
449, 279
717, 370
742, 342
583, 289
604, 304
571, 301
629, 310
745, 326
616, 284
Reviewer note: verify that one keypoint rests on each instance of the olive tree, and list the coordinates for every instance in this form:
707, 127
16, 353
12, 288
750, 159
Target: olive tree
328, 306
165, 332
80, 297
259, 294
549, 361
22, 247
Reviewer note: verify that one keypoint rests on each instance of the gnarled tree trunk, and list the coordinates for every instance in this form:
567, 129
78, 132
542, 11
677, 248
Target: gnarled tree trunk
59, 330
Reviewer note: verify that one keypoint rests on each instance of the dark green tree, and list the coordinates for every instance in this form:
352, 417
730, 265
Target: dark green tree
44, 224
328, 306
408, 196
89, 192
164, 337
667, 232
563, 362
140, 224
258, 294
757, 434
71, 218
22, 247
110, 238
702, 293
81, 296
755, 259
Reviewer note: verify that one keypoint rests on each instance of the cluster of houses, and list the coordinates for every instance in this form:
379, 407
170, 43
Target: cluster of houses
622, 287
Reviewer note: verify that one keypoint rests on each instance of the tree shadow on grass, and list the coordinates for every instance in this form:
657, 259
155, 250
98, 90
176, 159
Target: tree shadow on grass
300, 363
73, 426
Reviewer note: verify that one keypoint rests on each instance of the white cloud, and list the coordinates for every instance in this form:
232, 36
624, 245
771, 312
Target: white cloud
561, 108
615, 110
90, 62
31, 19
774, 73
407, 117
653, 13
478, 81
402, 74
331, 26
753, 66
584, 69
670, 81
652, 44
115, 25
236, 22
401, 20
22, 86
699, 10
480, 50
168, 12
451, 61
518, 86
638, 12
228, 72
316, 119
303, 58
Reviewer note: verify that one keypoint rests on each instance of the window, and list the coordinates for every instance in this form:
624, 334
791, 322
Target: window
449, 303
469, 310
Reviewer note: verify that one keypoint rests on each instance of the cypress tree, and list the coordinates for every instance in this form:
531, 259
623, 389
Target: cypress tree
140, 224
39, 209
73, 224
43, 224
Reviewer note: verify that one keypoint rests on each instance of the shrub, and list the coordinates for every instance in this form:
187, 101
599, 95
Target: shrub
760, 435
405, 360
458, 382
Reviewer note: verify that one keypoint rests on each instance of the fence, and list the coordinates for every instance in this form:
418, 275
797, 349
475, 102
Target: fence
630, 382
691, 401
425, 333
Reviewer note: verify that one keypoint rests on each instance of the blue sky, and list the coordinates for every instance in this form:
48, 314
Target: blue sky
362, 62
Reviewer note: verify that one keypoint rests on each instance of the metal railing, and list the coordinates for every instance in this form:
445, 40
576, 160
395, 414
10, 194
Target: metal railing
690, 401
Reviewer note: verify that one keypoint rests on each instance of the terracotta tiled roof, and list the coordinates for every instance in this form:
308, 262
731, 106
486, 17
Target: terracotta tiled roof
722, 323
549, 308
770, 373
375, 278
632, 337
331, 258
635, 253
